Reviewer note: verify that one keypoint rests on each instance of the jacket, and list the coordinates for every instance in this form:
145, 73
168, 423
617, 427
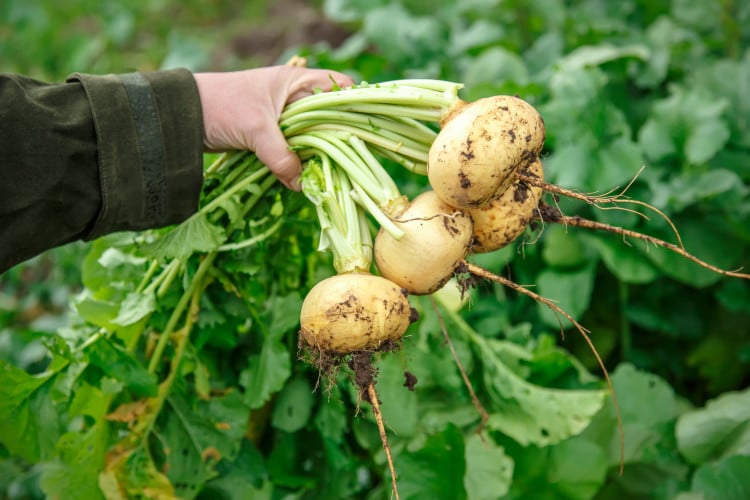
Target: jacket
95, 155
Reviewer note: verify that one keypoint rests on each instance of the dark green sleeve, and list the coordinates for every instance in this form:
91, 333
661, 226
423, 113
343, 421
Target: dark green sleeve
95, 155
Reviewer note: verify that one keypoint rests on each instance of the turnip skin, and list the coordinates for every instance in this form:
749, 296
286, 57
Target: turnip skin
480, 146
437, 237
353, 312
501, 221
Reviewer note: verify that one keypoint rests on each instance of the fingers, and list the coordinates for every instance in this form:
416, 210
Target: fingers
273, 150
306, 81
270, 144
241, 111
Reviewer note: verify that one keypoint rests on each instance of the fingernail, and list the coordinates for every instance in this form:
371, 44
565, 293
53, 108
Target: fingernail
295, 185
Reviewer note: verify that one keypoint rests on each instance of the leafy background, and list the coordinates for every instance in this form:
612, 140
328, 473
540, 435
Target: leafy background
665, 84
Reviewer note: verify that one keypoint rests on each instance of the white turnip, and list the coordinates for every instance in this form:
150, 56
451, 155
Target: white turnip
502, 220
479, 147
436, 238
352, 312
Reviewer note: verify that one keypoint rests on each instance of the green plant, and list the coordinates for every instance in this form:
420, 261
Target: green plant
619, 85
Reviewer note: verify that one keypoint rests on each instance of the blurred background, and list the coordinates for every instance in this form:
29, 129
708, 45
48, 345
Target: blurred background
660, 84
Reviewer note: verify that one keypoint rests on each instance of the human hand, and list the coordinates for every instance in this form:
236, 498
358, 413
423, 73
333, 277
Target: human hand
241, 111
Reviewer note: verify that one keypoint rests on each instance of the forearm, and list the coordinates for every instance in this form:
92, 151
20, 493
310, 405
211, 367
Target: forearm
95, 155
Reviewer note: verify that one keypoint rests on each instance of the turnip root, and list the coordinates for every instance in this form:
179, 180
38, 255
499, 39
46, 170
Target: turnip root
480, 146
353, 312
436, 239
502, 220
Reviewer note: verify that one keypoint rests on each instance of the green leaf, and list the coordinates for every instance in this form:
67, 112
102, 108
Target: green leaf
495, 65
700, 15
577, 469
617, 160
244, 477
265, 374
197, 436
117, 363
580, 154
625, 262
436, 470
134, 308
489, 471
563, 248
701, 240
649, 436
531, 414
293, 406
284, 314
595, 55
28, 421
96, 311
332, 419
399, 405
570, 290
728, 479
721, 77
694, 187
108, 262
688, 121
655, 138
79, 458
401, 35
196, 234
480, 33
705, 140
716, 431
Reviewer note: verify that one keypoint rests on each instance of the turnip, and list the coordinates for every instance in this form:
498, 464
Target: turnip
479, 147
492, 145
436, 239
486, 154
352, 312
503, 219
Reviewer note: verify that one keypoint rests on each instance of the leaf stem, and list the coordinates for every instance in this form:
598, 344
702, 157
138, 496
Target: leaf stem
178, 310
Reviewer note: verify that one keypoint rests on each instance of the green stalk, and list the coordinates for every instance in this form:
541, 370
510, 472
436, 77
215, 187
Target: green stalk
406, 128
361, 198
332, 147
381, 138
339, 218
394, 111
381, 175
239, 186
258, 193
147, 277
195, 283
434, 94
226, 161
192, 297
419, 168
162, 282
253, 240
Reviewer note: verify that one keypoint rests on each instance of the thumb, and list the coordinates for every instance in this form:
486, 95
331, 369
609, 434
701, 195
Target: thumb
273, 150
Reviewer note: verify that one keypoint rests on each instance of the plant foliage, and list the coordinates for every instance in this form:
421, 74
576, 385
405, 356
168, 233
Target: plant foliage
87, 410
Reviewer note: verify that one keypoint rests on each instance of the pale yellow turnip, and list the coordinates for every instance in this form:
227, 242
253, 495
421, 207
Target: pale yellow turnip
479, 147
504, 219
436, 239
353, 312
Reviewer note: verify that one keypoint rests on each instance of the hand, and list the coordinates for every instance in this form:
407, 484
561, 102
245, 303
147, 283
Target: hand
241, 111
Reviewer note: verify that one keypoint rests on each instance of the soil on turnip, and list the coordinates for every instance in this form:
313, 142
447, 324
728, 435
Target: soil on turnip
329, 363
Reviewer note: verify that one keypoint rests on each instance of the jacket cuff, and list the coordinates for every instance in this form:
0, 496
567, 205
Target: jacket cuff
149, 129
